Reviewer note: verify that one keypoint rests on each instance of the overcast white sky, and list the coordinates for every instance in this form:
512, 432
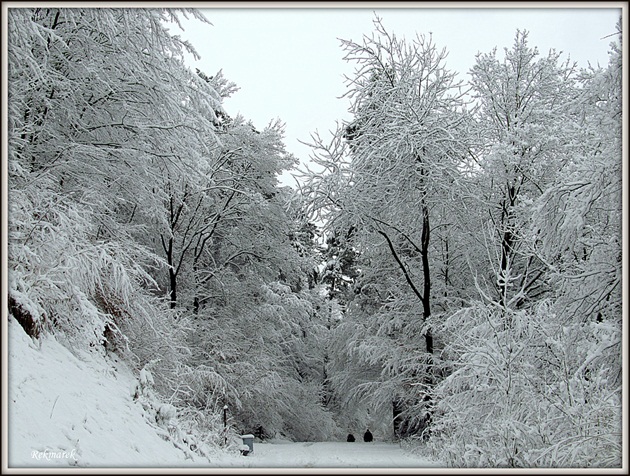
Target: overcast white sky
289, 64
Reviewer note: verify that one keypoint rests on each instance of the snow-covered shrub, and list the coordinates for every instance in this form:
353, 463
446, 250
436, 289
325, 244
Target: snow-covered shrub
527, 390
203, 430
59, 274
304, 417
171, 423
260, 353
286, 408
166, 414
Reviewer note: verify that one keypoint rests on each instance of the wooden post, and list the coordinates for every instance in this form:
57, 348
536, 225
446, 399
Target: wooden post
225, 408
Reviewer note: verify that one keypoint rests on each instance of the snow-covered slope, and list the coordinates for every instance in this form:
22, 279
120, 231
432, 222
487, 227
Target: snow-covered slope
70, 411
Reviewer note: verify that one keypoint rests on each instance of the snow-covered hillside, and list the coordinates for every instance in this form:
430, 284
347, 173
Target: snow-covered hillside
69, 410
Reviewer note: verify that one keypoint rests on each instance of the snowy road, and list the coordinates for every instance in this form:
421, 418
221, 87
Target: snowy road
327, 455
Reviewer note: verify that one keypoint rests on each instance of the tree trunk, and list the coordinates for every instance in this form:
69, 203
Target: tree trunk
507, 242
426, 274
397, 409
172, 272
173, 285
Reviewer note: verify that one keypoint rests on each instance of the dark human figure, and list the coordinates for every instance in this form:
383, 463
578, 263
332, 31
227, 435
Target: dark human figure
350, 438
368, 436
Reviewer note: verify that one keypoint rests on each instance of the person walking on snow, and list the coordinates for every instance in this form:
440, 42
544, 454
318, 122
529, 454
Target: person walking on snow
367, 437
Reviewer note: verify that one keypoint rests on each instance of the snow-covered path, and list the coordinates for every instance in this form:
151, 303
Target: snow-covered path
327, 455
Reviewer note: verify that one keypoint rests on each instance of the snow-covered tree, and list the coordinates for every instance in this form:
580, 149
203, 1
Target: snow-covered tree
527, 130
260, 328
86, 89
534, 365
386, 177
147, 221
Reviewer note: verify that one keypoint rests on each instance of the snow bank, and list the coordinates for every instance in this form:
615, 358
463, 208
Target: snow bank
69, 411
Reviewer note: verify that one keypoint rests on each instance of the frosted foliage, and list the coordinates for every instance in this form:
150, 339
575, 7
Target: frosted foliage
60, 275
526, 390
267, 351
578, 220
533, 376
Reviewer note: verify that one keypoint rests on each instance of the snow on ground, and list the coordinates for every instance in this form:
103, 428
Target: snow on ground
327, 455
65, 410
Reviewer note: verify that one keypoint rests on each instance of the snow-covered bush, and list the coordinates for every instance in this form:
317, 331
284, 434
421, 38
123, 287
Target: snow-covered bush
528, 390
60, 275
307, 419
188, 430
